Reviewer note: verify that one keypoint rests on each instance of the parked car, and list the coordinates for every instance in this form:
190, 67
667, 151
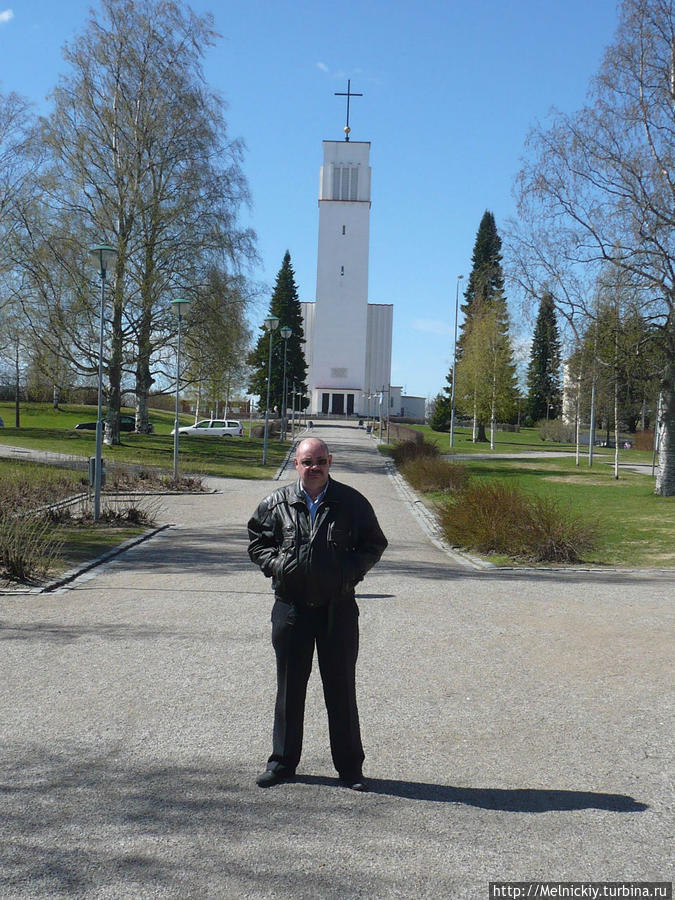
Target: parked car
213, 428
127, 423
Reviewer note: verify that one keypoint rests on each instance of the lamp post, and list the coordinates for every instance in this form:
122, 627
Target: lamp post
178, 307
285, 332
454, 367
104, 255
293, 412
271, 324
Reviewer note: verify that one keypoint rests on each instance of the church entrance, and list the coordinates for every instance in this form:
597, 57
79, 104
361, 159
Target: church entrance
325, 403
350, 404
338, 404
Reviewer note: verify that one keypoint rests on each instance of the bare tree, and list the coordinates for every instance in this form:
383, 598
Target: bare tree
598, 191
138, 157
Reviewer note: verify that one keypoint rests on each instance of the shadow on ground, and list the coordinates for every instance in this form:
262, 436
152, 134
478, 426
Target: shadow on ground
77, 821
523, 800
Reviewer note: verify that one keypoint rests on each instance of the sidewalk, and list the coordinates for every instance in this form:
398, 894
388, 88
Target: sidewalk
517, 725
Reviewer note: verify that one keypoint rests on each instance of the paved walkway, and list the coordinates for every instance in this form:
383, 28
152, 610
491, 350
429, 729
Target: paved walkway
517, 725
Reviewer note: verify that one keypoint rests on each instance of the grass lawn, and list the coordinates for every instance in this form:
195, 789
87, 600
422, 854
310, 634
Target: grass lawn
83, 543
636, 528
526, 440
44, 429
67, 416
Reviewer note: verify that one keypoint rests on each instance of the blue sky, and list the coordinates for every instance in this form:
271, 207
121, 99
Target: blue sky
450, 91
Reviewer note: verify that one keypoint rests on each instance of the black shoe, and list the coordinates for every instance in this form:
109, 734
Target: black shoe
355, 782
270, 777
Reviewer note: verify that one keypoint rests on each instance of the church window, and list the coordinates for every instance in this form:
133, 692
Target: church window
344, 230
342, 270
345, 183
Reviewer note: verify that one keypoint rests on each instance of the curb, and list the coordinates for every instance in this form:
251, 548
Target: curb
428, 522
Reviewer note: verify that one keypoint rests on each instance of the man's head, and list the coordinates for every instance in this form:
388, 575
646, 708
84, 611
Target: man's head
312, 460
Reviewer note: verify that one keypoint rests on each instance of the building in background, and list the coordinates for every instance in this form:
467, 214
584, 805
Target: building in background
347, 340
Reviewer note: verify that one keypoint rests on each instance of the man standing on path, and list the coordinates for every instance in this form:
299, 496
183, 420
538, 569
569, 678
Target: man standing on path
316, 539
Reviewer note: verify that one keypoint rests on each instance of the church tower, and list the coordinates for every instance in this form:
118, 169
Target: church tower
348, 340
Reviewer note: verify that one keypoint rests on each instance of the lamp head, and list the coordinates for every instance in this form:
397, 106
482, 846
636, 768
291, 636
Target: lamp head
285, 332
104, 255
179, 306
271, 323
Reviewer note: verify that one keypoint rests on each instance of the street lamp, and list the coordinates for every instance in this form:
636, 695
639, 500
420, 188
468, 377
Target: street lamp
179, 306
104, 255
271, 324
293, 412
285, 332
454, 367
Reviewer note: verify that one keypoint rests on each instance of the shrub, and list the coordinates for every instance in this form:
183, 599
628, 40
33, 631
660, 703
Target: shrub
28, 549
493, 517
429, 473
556, 430
484, 517
407, 450
551, 534
643, 440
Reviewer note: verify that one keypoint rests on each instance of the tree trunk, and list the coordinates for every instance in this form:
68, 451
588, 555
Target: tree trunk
481, 437
17, 407
56, 397
665, 475
616, 399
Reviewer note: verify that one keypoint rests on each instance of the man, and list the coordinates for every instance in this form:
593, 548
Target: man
316, 539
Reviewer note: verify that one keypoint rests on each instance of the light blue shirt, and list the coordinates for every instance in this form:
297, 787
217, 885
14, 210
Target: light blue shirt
313, 505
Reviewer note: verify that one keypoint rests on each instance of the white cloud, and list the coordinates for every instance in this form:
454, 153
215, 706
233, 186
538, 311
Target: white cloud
322, 66
6, 16
433, 326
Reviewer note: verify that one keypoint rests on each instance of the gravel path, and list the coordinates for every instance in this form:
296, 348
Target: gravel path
517, 725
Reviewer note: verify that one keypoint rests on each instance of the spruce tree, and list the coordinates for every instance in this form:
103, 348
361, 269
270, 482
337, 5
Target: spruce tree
544, 400
486, 281
440, 419
484, 296
285, 305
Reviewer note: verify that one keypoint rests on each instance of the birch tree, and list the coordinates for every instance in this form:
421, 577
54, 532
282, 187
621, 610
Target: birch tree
598, 190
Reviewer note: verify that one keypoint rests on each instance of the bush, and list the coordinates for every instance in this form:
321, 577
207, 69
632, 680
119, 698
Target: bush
643, 440
429, 473
408, 450
28, 549
493, 517
556, 430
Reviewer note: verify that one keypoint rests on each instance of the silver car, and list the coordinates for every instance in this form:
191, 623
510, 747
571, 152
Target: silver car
213, 428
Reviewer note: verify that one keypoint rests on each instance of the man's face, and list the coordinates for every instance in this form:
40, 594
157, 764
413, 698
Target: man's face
312, 460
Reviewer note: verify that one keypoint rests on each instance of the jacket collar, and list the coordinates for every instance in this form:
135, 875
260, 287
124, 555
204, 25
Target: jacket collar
297, 495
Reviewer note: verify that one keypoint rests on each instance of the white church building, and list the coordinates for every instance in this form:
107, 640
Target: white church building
347, 340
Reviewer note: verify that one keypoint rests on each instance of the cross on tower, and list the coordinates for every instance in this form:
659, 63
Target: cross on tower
348, 95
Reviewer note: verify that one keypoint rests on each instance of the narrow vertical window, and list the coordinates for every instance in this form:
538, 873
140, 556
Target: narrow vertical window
344, 195
344, 230
342, 270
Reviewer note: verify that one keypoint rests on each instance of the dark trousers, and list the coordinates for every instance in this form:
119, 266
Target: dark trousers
295, 632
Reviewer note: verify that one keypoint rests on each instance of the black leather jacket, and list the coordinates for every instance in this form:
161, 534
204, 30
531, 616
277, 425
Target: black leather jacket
319, 564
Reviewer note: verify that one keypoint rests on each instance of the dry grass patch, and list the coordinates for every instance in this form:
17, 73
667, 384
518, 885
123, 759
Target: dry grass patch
496, 517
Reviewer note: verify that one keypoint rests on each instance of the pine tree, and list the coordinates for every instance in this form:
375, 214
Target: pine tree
484, 296
544, 399
286, 306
